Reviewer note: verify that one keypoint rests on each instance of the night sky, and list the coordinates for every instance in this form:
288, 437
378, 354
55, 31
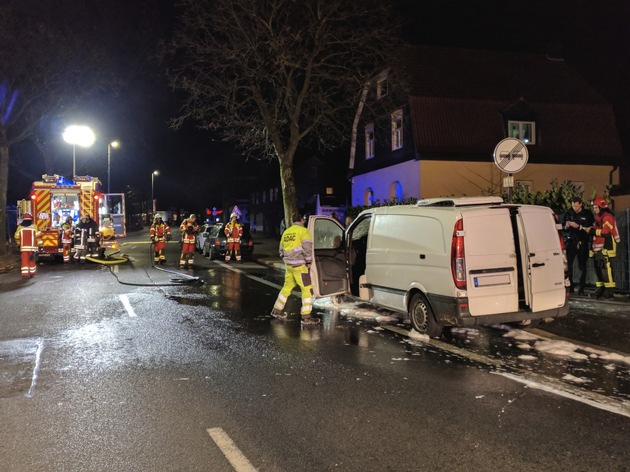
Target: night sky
593, 35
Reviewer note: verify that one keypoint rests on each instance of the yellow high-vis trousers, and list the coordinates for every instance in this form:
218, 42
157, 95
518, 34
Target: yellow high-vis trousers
296, 276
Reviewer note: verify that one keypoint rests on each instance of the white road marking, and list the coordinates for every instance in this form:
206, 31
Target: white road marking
531, 379
230, 451
127, 305
38, 360
253, 277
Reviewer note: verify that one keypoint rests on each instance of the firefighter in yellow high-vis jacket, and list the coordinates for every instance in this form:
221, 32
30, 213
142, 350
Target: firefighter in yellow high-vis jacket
296, 250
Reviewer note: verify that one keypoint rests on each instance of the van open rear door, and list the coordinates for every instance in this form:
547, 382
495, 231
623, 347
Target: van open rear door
491, 262
328, 271
544, 278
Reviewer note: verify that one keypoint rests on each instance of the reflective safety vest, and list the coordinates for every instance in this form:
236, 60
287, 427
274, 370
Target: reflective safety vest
296, 246
606, 234
233, 231
28, 238
189, 231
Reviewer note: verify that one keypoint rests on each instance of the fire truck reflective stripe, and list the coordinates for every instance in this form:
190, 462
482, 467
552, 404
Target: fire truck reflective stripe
86, 203
42, 209
50, 239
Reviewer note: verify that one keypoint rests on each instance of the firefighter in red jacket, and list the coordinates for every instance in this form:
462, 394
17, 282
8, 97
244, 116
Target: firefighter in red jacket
604, 247
234, 231
160, 234
29, 239
189, 229
67, 235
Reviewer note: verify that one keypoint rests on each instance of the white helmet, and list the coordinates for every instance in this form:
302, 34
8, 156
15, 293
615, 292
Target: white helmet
157, 215
233, 215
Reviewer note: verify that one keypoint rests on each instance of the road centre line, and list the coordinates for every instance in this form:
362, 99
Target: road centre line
231, 452
531, 379
125, 301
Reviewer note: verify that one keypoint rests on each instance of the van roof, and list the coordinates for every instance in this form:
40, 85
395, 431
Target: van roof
459, 201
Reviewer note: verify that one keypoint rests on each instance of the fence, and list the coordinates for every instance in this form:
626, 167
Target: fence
621, 263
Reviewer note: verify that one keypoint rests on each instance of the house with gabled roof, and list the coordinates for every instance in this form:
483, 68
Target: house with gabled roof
438, 139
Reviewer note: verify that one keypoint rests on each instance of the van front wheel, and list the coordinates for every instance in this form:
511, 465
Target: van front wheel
422, 318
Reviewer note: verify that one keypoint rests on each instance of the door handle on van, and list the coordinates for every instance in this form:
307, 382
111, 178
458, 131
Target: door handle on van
422, 256
538, 264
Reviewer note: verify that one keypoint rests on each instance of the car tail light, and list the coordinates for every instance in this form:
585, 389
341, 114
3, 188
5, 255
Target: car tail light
458, 261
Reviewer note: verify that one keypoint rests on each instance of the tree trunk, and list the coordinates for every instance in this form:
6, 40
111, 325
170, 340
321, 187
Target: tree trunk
4, 186
289, 196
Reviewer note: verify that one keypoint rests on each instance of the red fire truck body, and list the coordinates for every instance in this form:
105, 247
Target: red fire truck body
52, 200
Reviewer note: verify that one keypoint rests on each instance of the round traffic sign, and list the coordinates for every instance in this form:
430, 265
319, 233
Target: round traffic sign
511, 155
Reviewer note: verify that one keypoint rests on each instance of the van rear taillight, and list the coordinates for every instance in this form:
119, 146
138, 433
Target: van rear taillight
458, 261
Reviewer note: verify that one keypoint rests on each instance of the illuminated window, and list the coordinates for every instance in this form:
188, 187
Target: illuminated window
397, 130
369, 141
523, 130
368, 197
396, 191
330, 191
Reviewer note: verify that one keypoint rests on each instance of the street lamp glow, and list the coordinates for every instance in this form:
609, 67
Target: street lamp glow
153, 174
78, 135
113, 144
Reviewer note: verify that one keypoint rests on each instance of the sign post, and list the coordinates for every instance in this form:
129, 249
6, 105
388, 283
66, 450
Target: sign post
510, 156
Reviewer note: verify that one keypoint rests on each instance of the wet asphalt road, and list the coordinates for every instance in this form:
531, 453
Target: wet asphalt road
131, 368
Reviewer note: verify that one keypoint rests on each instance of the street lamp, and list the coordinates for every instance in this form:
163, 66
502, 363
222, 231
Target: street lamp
81, 135
113, 144
153, 174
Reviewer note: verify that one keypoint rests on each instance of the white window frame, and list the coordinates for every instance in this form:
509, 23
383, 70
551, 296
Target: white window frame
526, 184
369, 141
397, 129
522, 131
382, 87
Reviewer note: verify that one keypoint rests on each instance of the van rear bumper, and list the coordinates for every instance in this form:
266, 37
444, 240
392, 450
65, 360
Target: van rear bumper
451, 311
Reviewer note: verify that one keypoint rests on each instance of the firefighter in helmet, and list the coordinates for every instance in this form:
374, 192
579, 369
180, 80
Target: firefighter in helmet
160, 233
605, 236
67, 232
29, 239
86, 237
234, 231
189, 229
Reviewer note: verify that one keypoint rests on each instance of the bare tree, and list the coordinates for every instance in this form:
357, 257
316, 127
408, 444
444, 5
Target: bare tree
276, 75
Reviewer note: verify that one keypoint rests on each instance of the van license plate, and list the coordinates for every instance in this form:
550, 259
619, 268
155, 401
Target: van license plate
490, 280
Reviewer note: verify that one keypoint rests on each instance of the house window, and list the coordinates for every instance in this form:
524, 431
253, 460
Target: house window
368, 197
381, 86
525, 185
396, 191
523, 130
330, 191
369, 141
397, 130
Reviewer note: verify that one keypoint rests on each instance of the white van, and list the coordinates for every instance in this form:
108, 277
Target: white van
446, 261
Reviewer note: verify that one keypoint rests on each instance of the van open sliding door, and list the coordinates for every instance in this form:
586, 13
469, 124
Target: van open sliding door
543, 259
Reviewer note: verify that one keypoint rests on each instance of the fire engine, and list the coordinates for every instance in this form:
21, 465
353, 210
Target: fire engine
53, 199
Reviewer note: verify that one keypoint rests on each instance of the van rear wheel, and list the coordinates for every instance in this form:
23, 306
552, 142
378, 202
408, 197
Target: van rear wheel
422, 318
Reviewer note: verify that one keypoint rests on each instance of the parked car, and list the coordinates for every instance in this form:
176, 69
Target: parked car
446, 262
215, 244
202, 236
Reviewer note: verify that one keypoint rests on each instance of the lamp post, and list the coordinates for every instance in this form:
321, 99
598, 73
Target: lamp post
153, 174
81, 135
113, 144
